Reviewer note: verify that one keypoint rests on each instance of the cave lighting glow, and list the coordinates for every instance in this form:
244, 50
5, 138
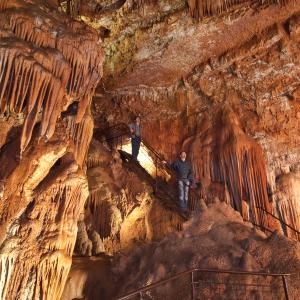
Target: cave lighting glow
144, 158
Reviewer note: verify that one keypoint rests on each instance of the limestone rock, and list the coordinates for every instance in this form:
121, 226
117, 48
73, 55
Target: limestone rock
47, 62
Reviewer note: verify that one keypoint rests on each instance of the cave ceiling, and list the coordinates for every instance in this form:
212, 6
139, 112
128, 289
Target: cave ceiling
158, 43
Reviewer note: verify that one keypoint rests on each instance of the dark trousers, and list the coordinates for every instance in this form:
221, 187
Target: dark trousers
135, 146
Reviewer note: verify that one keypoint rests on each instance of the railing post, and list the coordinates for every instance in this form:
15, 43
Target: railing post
285, 286
192, 286
141, 296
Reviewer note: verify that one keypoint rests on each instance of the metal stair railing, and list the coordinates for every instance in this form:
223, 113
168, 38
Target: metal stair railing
119, 131
212, 278
116, 133
282, 223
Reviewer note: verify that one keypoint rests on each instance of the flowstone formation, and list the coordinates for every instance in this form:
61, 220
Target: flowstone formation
219, 79
121, 210
50, 67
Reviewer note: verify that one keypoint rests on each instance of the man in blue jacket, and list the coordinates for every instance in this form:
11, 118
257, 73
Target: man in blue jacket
185, 178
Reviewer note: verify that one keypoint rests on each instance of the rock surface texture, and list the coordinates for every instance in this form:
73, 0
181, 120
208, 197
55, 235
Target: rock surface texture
225, 88
218, 79
50, 66
216, 238
121, 209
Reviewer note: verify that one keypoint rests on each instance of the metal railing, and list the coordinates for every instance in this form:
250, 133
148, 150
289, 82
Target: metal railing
116, 135
207, 284
283, 224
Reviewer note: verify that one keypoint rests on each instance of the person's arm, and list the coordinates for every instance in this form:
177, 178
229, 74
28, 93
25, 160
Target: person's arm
171, 165
174, 165
132, 129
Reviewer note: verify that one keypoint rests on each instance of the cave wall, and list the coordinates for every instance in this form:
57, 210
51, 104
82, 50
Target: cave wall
215, 238
48, 62
183, 75
224, 86
121, 210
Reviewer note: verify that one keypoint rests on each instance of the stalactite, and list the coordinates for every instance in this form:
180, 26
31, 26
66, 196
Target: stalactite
289, 213
118, 202
65, 198
48, 271
6, 269
44, 275
287, 199
224, 153
47, 62
240, 163
26, 85
85, 62
93, 162
35, 80
81, 134
52, 272
143, 100
201, 8
73, 8
102, 215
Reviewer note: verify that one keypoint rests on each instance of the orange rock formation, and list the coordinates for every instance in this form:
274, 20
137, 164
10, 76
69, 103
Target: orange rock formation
47, 62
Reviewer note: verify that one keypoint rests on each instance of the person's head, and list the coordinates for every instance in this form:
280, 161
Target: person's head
137, 120
182, 155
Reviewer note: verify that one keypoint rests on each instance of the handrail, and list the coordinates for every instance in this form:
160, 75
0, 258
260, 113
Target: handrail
191, 271
280, 220
122, 130
159, 159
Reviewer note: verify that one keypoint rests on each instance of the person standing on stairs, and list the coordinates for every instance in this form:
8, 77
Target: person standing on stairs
185, 179
135, 131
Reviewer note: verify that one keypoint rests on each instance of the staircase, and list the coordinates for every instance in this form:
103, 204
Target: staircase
162, 191
199, 283
116, 136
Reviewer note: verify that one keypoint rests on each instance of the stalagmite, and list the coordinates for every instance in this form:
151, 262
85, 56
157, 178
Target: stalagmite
47, 62
225, 89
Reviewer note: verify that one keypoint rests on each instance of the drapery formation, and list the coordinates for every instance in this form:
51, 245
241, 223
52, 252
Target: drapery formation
49, 68
41, 64
287, 202
222, 153
201, 8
